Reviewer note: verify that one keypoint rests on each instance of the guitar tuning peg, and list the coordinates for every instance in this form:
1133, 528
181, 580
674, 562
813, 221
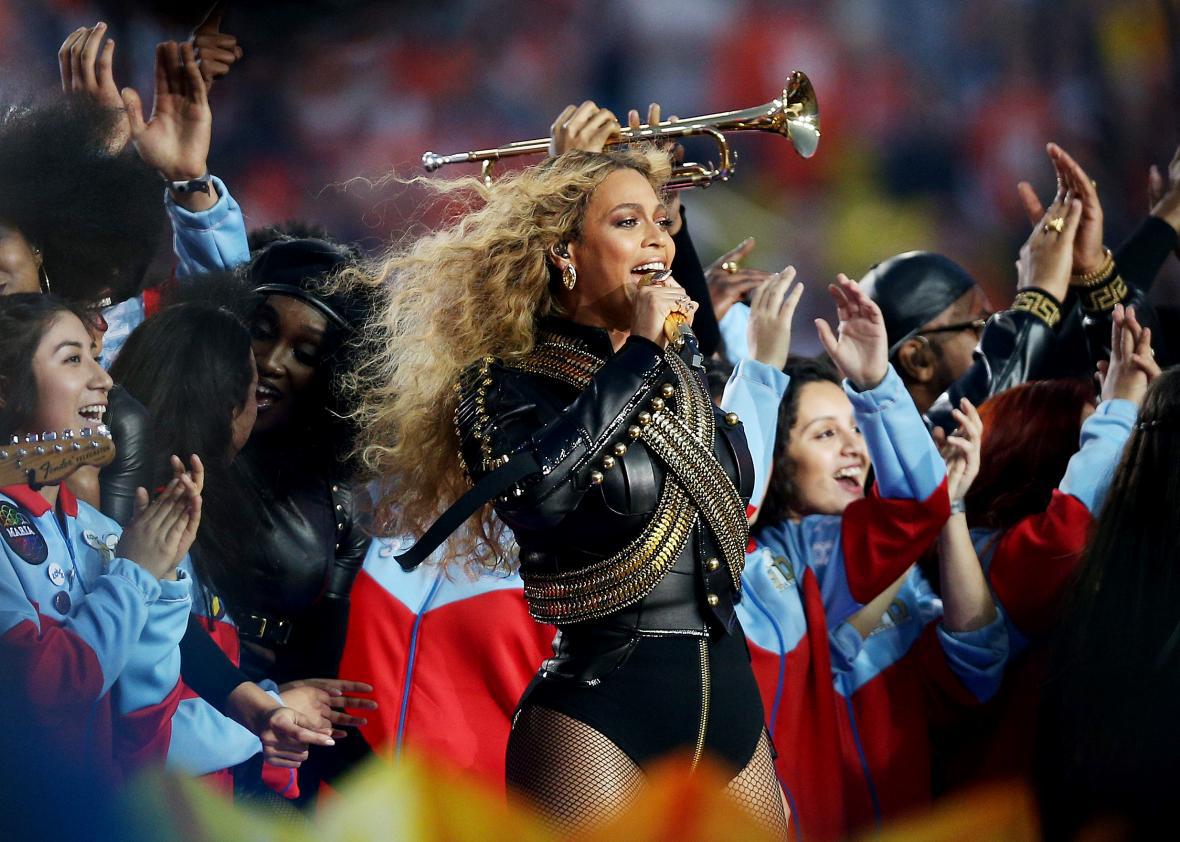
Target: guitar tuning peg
15, 440
30, 438
57, 448
104, 430
3, 455
49, 437
68, 434
85, 433
39, 451
75, 446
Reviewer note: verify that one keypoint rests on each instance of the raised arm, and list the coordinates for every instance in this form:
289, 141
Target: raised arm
1033, 562
209, 233
757, 384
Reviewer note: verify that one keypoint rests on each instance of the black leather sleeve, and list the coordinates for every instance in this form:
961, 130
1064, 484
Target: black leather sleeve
132, 465
352, 540
1138, 262
205, 668
568, 439
1016, 346
690, 274
1139, 259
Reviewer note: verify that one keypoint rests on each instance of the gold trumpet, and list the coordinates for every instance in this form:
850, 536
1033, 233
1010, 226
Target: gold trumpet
794, 115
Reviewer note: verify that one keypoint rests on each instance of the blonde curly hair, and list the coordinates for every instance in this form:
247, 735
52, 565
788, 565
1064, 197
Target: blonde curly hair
475, 288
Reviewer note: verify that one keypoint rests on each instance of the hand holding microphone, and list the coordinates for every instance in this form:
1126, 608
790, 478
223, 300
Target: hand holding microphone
663, 310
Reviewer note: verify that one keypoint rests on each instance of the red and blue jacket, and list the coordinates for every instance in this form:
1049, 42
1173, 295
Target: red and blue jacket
448, 657
801, 578
894, 685
91, 640
1030, 567
911, 678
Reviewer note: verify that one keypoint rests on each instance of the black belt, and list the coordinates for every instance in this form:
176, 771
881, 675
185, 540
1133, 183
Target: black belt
520, 465
265, 629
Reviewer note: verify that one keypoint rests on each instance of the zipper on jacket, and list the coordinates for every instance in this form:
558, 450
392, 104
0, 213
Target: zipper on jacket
706, 690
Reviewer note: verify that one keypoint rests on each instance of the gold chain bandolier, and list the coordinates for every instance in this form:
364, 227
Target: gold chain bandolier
680, 435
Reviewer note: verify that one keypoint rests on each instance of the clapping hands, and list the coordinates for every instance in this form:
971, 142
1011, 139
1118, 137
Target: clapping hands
163, 530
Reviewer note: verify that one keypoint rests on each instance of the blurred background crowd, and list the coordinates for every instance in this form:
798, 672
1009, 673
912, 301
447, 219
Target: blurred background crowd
932, 110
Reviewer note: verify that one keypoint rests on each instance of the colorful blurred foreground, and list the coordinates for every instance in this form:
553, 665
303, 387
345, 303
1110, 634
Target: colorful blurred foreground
412, 801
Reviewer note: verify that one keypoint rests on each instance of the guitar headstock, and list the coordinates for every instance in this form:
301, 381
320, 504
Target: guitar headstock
51, 457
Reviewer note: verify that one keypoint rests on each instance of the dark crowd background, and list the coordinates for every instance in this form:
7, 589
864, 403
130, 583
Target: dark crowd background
932, 110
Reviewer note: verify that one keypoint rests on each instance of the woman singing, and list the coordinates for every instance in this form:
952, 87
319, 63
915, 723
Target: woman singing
525, 334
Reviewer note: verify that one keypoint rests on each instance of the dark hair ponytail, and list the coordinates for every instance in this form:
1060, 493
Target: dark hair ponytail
1110, 742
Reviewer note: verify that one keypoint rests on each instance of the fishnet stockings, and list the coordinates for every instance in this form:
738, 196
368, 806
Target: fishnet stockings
574, 775
756, 788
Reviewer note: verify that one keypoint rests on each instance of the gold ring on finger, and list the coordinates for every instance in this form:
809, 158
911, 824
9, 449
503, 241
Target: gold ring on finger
730, 266
1057, 224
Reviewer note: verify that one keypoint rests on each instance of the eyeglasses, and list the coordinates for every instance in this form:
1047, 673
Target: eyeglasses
976, 325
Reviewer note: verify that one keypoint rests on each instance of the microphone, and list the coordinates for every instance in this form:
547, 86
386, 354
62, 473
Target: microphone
676, 327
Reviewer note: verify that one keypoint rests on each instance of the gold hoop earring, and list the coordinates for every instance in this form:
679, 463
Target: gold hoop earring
569, 276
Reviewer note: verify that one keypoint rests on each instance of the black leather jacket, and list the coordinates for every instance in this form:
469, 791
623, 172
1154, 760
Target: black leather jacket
1018, 346
592, 497
312, 545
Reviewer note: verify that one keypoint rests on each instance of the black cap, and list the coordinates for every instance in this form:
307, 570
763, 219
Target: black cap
913, 288
298, 267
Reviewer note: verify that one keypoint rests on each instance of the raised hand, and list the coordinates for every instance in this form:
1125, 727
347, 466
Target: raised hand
216, 51
729, 282
1132, 363
1088, 252
861, 351
1164, 193
586, 127
771, 310
176, 139
960, 450
1047, 256
86, 64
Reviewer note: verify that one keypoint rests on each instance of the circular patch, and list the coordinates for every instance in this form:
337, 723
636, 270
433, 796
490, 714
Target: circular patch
61, 601
56, 574
21, 535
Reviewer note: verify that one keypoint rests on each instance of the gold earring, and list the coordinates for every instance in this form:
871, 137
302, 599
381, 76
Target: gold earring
569, 276
42, 275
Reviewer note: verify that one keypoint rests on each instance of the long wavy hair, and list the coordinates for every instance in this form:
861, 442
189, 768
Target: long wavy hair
1109, 740
475, 288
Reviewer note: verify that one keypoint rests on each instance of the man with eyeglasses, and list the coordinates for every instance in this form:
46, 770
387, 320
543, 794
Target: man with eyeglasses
943, 340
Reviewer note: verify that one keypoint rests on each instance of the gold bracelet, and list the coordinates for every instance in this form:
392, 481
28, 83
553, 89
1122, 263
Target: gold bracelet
1040, 304
1099, 299
1098, 276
